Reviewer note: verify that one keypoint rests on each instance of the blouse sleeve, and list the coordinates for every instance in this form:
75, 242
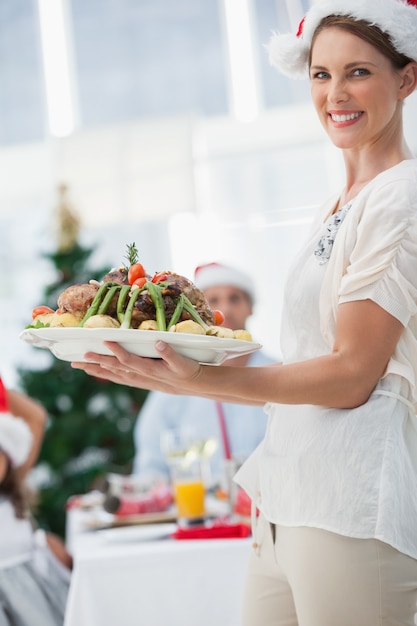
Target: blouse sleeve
383, 263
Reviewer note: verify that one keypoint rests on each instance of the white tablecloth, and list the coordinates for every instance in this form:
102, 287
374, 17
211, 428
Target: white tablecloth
135, 576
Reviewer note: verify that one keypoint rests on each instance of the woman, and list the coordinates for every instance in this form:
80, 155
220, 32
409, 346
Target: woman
335, 477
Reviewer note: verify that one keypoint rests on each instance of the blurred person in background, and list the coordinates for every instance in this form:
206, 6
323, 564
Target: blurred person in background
35, 566
236, 427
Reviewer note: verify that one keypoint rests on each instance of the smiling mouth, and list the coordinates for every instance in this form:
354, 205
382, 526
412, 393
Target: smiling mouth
346, 117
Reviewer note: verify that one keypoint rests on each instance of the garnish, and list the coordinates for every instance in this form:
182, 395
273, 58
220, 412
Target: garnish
38, 324
132, 255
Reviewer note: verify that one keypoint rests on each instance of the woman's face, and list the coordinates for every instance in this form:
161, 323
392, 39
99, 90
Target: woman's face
355, 90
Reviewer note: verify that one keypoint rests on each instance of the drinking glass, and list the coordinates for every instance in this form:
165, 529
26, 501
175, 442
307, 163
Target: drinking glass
186, 467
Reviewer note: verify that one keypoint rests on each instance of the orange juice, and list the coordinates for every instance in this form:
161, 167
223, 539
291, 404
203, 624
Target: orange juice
189, 498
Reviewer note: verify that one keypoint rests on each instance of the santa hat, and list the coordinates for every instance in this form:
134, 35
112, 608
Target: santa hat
216, 274
396, 18
15, 438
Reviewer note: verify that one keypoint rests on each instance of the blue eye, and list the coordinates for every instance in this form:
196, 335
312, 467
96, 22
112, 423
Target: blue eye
321, 75
361, 71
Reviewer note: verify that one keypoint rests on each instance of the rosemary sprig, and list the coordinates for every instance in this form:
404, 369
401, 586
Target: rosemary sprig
132, 255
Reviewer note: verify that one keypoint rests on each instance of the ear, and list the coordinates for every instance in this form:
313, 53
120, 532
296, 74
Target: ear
408, 80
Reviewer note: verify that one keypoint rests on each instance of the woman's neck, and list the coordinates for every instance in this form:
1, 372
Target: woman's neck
362, 167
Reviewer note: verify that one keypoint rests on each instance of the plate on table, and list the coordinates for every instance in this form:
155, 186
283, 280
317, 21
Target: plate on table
71, 343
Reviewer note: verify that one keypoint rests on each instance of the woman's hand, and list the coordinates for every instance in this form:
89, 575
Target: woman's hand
172, 373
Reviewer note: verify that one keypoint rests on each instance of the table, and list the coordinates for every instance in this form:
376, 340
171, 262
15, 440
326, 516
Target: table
139, 576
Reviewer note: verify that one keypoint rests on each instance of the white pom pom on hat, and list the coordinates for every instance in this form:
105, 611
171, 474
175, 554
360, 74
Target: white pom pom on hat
218, 274
396, 18
15, 438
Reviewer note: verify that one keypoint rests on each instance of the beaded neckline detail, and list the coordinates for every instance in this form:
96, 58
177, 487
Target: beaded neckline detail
325, 245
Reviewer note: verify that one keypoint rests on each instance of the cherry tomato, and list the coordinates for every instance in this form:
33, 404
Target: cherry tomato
159, 277
218, 317
135, 271
41, 310
140, 281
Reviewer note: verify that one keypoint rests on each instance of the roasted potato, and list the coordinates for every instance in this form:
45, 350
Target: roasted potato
101, 321
243, 335
220, 331
44, 318
148, 325
59, 320
188, 326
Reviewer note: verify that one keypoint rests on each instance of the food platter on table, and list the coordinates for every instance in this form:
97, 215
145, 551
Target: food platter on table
71, 343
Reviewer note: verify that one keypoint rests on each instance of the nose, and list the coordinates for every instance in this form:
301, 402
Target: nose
337, 92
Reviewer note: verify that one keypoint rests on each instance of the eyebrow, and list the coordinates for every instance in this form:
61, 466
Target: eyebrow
348, 66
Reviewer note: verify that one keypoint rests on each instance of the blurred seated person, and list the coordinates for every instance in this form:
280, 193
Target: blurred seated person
232, 292
35, 567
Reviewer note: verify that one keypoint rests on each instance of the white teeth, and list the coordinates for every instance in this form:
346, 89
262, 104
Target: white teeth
344, 118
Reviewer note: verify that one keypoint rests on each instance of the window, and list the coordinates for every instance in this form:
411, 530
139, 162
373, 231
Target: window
148, 58
277, 90
22, 107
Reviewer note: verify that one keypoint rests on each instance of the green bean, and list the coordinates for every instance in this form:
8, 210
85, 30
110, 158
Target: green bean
121, 302
94, 306
177, 312
156, 296
129, 309
188, 306
107, 299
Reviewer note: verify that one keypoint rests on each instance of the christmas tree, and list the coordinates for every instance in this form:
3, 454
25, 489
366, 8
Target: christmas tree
89, 433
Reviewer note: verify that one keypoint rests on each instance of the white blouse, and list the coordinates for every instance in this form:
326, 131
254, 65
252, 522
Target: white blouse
349, 471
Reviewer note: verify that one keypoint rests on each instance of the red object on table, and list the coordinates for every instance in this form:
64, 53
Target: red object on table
223, 429
217, 531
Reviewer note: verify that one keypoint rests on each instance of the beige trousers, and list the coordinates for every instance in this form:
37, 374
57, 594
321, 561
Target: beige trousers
311, 577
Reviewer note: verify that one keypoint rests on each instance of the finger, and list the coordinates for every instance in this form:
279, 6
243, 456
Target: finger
128, 359
124, 377
181, 365
170, 363
123, 361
